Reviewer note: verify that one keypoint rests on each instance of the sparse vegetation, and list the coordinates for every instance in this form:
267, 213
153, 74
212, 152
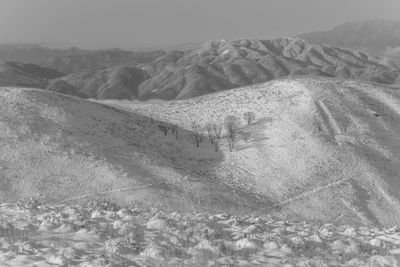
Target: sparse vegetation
196, 134
245, 135
216, 146
217, 128
232, 125
249, 117
174, 131
164, 128
209, 129
345, 124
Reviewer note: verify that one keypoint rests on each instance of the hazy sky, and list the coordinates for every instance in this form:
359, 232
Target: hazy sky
138, 23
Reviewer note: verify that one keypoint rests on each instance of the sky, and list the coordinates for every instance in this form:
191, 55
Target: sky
158, 23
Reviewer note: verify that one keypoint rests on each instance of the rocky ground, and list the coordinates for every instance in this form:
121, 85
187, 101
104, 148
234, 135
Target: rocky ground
102, 234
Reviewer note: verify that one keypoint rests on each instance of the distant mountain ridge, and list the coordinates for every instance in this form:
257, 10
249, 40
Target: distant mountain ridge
381, 37
96, 59
119, 82
222, 65
72, 59
35, 54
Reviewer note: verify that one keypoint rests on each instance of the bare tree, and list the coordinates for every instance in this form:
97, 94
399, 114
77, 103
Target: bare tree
216, 146
249, 117
245, 136
209, 129
345, 124
174, 131
196, 134
230, 143
217, 128
164, 128
232, 125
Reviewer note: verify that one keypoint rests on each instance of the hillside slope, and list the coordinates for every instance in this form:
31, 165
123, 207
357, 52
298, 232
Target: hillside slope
380, 37
119, 82
96, 59
20, 74
321, 149
61, 149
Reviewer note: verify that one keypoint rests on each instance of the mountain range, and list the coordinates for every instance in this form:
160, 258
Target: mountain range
222, 65
363, 50
103, 58
35, 54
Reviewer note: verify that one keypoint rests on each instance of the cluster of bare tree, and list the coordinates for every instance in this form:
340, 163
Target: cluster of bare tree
212, 131
145, 121
165, 128
249, 117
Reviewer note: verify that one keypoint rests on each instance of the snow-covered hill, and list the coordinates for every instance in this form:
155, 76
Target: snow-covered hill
320, 149
58, 148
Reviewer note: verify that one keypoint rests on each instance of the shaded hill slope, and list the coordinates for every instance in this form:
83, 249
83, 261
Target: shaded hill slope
381, 37
119, 82
61, 149
30, 75
31, 53
95, 59
321, 149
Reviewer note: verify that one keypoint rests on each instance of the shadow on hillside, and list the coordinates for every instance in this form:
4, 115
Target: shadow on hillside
189, 181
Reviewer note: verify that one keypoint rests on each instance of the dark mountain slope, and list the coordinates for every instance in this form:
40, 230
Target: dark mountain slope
104, 83
97, 59
30, 75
